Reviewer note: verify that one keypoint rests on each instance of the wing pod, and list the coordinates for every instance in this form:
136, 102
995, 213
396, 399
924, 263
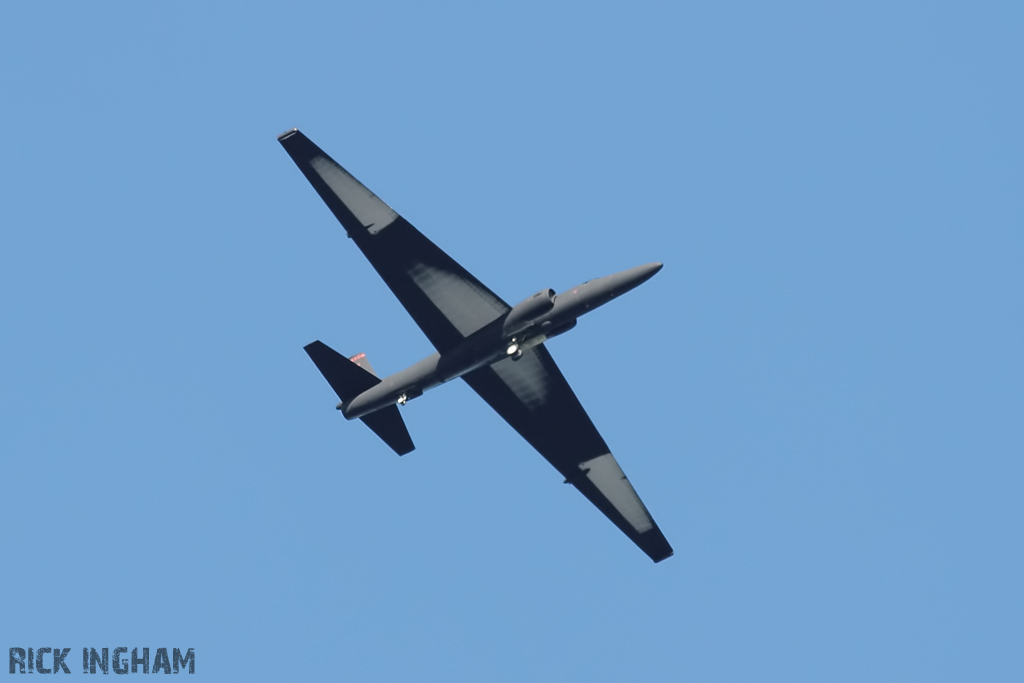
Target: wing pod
527, 311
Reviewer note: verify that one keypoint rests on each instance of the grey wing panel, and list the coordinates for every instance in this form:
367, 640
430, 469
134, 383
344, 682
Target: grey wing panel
532, 395
444, 299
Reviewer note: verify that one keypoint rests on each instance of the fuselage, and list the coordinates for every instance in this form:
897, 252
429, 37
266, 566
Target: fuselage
497, 341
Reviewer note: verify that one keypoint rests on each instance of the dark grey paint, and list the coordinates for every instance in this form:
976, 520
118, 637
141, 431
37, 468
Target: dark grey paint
497, 349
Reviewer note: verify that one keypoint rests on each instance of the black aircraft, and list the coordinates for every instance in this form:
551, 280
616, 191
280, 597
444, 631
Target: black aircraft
496, 348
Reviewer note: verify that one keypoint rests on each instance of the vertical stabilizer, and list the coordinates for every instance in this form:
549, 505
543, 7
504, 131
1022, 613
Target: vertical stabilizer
351, 377
362, 361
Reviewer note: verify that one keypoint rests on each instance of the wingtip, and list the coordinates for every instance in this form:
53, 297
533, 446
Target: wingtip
656, 546
662, 558
287, 134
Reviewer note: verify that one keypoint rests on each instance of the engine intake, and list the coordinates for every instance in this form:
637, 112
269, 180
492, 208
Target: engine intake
528, 310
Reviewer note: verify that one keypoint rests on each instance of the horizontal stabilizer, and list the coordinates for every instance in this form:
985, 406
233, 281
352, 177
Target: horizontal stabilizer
346, 378
387, 423
348, 381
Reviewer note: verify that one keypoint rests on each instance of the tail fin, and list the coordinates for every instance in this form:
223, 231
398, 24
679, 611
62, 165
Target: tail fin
362, 361
349, 380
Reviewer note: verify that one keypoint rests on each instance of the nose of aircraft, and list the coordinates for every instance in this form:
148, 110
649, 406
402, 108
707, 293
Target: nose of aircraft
643, 273
622, 282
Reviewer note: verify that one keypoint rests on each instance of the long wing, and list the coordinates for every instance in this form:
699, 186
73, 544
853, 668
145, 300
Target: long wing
532, 395
445, 301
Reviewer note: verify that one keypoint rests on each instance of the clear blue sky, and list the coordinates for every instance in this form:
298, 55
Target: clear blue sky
819, 398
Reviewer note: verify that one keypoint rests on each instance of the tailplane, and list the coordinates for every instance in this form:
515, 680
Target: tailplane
349, 378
